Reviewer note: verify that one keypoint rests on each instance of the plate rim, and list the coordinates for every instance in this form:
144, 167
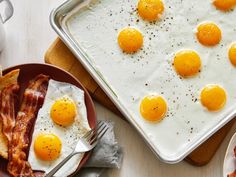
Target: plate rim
87, 95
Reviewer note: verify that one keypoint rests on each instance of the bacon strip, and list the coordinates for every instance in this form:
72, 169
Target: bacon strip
33, 98
8, 99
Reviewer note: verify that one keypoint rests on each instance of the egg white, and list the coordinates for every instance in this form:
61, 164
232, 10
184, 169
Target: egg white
68, 135
150, 71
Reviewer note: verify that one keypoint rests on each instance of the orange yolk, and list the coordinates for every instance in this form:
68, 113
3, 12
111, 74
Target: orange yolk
153, 108
208, 34
213, 97
232, 54
63, 111
187, 63
224, 5
47, 147
150, 10
130, 40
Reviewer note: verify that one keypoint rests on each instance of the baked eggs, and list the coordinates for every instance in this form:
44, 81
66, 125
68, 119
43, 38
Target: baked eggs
130, 39
213, 97
208, 34
224, 5
187, 63
232, 53
150, 10
153, 108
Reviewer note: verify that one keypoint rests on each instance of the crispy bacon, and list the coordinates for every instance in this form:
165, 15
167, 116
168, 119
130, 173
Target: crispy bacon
8, 99
33, 98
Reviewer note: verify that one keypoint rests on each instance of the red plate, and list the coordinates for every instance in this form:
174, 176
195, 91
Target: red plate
28, 72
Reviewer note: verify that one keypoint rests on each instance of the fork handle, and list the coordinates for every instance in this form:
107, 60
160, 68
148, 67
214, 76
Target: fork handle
55, 169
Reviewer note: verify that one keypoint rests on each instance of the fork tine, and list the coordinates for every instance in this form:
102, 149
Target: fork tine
95, 131
99, 135
92, 145
91, 132
88, 133
99, 123
95, 140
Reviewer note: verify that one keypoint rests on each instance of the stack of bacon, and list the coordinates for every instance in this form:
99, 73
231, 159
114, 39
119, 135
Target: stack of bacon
17, 127
234, 173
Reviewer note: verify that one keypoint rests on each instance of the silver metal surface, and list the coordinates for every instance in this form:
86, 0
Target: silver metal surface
56, 18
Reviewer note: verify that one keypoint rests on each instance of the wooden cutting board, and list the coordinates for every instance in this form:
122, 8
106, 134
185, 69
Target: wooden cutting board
59, 55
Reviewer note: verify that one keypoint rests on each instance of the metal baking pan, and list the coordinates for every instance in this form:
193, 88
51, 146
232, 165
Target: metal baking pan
57, 20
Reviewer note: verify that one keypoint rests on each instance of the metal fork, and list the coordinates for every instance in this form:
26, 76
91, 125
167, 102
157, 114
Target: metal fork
85, 144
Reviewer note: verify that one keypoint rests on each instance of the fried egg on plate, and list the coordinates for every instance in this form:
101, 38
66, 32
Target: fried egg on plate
61, 121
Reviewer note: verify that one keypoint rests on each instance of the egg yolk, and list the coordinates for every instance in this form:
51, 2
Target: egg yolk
213, 97
153, 108
63, 111
208, 34
224, 5
187, 63
232, 54
47, 147
150, 10
130, 40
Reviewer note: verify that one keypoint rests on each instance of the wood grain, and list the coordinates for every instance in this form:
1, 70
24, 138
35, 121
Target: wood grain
58, 54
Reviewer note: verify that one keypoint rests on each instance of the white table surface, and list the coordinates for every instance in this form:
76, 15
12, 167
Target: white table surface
29, 35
